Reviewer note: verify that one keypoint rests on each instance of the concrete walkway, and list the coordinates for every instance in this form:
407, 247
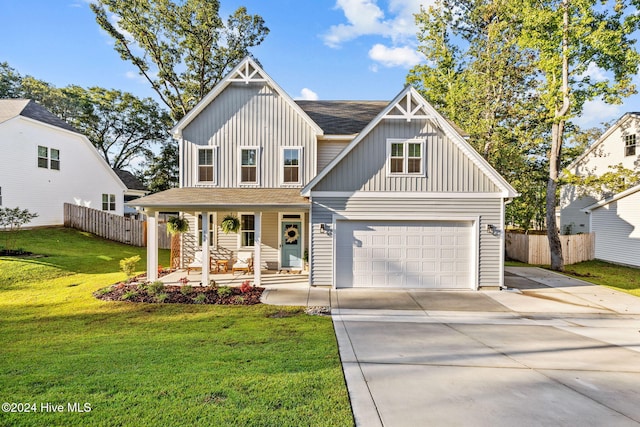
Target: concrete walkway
549, 350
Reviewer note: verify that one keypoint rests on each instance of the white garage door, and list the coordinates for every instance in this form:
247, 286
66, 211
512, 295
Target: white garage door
394, 254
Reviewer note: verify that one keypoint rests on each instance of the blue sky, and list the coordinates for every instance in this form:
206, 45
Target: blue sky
325, 49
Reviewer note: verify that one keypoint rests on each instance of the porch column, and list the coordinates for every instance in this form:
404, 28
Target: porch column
206, 256
257, 273
152, 246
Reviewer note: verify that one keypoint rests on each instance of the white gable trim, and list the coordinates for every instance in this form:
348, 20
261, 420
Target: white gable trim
605, 202
410, 93
247, 71
608, 132
82, 138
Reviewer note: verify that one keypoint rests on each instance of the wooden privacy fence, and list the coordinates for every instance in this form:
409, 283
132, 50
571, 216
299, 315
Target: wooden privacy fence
534, 249
113, 227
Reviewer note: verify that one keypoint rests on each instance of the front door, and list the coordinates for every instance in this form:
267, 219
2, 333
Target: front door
291, 248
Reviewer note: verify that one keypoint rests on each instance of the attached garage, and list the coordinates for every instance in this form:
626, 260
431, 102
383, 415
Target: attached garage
405, 254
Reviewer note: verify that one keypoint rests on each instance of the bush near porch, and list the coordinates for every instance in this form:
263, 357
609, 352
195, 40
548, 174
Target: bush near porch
153, 364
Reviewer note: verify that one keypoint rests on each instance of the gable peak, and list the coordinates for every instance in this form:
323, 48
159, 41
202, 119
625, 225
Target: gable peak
409, 106
247, 71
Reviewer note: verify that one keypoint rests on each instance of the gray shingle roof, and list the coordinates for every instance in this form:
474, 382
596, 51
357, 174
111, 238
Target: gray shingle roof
342, 117
200, 199
10, 108
130, 180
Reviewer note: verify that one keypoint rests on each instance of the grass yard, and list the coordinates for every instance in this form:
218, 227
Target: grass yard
156, 364
621, 278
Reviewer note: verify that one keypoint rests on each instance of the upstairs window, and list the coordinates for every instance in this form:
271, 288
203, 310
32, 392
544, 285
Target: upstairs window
43, 157
206, 172
55, 159
406, 157
108, 202
291, 165
247, 230
630, 145
249, 165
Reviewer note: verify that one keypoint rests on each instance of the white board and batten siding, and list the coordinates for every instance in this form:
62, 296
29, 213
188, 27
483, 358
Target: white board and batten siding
248, 115
617, 238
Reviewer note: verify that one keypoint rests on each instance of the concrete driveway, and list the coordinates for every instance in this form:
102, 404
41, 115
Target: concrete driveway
551, 351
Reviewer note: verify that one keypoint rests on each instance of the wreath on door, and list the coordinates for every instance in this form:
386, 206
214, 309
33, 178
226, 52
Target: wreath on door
291, 234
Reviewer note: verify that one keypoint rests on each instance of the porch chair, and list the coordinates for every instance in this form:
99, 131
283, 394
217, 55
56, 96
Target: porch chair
244, 262
196, 262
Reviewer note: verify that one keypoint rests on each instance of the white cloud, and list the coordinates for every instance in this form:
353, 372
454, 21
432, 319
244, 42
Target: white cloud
596, 73
596, 112
307, 94
395, 56
365, 17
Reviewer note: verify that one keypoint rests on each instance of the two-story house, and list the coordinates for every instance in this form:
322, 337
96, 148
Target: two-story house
614, 218
378, 194
45, 162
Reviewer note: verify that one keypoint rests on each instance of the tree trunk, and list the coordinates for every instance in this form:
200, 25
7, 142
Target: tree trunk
555, 247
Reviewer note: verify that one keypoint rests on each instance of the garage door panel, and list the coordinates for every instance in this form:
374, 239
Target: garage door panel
426, 254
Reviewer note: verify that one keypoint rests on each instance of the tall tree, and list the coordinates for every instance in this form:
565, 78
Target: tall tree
481, 82
161, 172
186, 47
121, 126
569, 38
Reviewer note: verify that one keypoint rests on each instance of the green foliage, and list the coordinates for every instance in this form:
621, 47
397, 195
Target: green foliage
616, 180
11, 221
200, 298
186, 289
160, 172
177, 224
128, 265
186, 47
129, 295
162, 297
225, 291
230, 224
155, 288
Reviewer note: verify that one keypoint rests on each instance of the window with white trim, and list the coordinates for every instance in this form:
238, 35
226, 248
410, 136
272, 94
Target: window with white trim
206, 165
249, 165
291, 165
212, 229
630, 145
247, 230
108, 202
406, 157
43, 157
55, 159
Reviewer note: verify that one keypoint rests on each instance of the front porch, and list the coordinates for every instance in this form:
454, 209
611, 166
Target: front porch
269, 278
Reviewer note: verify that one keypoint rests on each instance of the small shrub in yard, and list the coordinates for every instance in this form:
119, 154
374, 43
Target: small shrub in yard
106, 290
200, 299
162, 297
128, 265
186, 289
129, 295
225, 291
245, 287
155, 287
238, 299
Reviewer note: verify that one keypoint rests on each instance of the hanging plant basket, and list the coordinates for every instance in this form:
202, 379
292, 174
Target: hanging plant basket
230, 224
177, 225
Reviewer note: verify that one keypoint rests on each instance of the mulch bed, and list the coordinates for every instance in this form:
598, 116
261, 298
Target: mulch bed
178, 295
15, 252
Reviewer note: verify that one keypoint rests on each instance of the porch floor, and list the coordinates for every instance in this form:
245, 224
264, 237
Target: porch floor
269, 278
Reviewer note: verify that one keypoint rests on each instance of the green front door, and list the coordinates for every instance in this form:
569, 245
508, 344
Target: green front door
291, 249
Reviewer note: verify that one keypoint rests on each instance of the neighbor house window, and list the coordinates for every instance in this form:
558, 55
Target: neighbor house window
55, 159
291, 165
212, 229
206, 165
247, 230
108, 202
630, 145
43, 157
249, 165
406, 157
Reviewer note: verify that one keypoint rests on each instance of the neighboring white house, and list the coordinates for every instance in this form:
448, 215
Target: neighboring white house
44, 163
614, 218
380, 194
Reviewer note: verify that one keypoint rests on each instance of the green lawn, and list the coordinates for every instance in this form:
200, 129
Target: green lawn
153, 364
625, 279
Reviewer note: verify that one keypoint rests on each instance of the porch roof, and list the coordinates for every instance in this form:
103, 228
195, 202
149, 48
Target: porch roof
212, 199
